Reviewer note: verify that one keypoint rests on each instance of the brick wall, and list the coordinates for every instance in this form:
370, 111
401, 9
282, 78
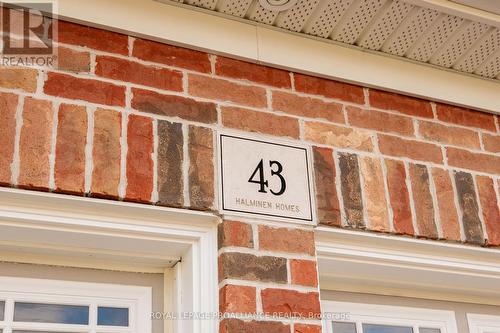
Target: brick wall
129, 119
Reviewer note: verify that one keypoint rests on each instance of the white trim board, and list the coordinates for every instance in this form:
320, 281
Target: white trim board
378, 264
45, 228
483, 323
261, 44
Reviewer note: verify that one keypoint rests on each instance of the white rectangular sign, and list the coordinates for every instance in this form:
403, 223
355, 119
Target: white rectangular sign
268, 179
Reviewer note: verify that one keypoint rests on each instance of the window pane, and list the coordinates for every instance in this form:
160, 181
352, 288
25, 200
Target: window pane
112, 317
369, 328
2, 310
339, 327
429, 330
50, 313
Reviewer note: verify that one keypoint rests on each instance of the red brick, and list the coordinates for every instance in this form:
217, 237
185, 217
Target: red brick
400, 198
173, 106
286, 240
139, 161
491, 212
243, 70
422, 198
304, 273
35, 144
327, 199
8, 106
18, 78
70, 149
465, 117
94, 38
240, 326
73, 61
374, 190
307, 107
337, 136
201, 168
232, 233
473, 161
260, 122
380, 121
446, 202
171, 55
291, 303
449, 135
93, 91
491, 143
303, 328
106, 154
400, 103
226, 91
133, 72
416, 150
328, 88
237, 299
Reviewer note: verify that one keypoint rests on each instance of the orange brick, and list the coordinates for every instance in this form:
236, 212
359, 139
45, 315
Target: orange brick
380, 121
106, 154
304, 273
171, 55
201, 168
73, 61
422, 198
243, 70
303, 328
399, 196
465, 117
223, 90
337, 136
291, 303
446, 202
18, 78
307, 107
491, 143
94, 38
93, 91
8, 106
473, 161
70, 149
327, 201
449, 135
35, 144
329, 88
374, 189
491, 212
260, 122
133, 72
286, 240
400, 103
237, 299
240, 326
232, 233
139, 161
416, 150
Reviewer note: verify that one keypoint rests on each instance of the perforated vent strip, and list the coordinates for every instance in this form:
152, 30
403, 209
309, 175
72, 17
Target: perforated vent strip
478, 55
459, 44
491, 68
295, 18
356, 20
409, 31
327, 18
208, 4
234, 7
261, 14
385, 25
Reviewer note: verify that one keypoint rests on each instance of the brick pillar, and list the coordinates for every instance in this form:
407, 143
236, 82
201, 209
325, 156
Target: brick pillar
270, 275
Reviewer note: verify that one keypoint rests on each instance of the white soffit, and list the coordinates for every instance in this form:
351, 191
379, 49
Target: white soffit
244, 30
396, 27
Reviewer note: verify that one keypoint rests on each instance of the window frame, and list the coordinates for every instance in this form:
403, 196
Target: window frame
361, 313
479, 323
42, 228
137, 299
